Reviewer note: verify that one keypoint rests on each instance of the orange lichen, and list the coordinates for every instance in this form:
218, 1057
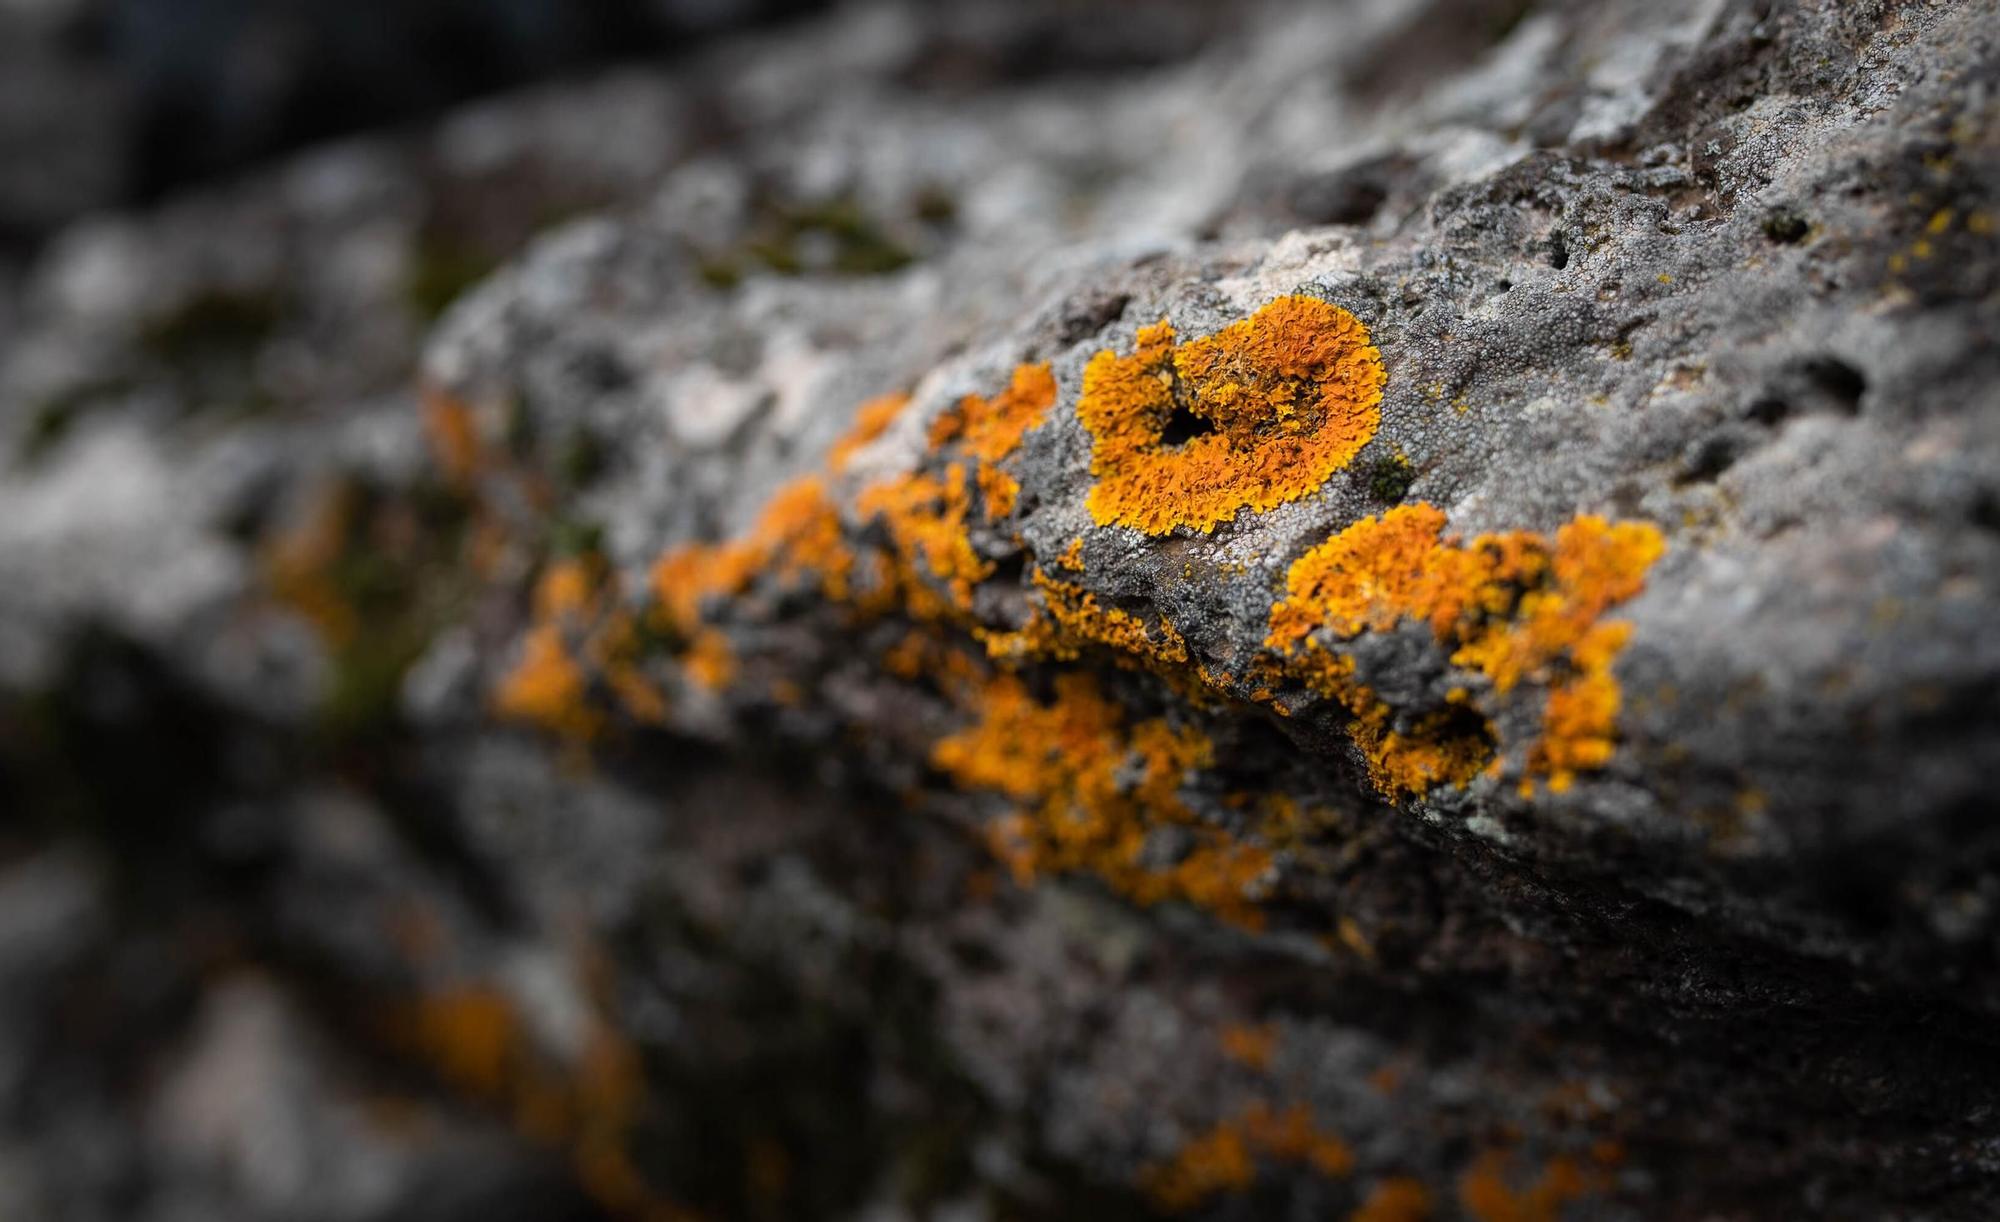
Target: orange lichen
573, 601
1287, 397
871, 420
1509, 606
1223, 1159
989, 429
1397, 1198
924, 517
615, 649
566, 588
589, 1107
709, 660
1291, 1135
1216, 1162
997, 490
1090, 788
546, 686
1070, 619
1250, 1045
796, 539
454, 436
1488, 1194
471, 1036
1594, 565
299, 564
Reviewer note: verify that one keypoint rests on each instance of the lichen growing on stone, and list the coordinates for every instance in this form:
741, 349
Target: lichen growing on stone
1224, 1158
990, 428
547, 687
1290, 394
1091, 787
871, 420
1395, 1198
1488, 1193
1270, 408
796, 539
1509, 606
587, 1106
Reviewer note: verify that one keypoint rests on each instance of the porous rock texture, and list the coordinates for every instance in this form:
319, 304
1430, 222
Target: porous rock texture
727, 734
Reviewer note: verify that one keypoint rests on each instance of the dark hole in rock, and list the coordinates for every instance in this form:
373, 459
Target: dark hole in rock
1768, 410
1708, 458
1339, 200
1010, 569
1086, 315
1786, 228
1839, 381
1184, 426
1389, 479
1986, 511
1558, 250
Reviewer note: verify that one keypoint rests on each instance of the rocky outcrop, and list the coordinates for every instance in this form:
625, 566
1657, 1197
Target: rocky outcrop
1383, 614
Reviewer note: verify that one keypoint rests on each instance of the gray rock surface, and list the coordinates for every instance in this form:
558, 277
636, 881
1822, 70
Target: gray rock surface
432, 812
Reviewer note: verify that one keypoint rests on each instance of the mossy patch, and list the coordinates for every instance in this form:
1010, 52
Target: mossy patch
1389, 478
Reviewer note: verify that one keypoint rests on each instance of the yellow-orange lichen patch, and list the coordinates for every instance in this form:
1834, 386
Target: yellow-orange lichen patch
1487, 1191
1509, 606
871, 420
1218, 1161
1070, 619
574, 601
989, 428
1089, 787
567, 588
1278, 401
587, 1108
796, 539
1397, 1198
547, 687
709, 660
1223, 1159
997, 490
616, 649
1253, 1046
1594, 565
454, 436
924, 517
299, 564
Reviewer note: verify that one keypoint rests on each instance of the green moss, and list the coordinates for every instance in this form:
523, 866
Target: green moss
208, 347
518, 433
441, 271
935, 206
832, 237
1786, 228
54, 418
401, 572
1389, 479
581, 459
219, 325
571, 537
720, 273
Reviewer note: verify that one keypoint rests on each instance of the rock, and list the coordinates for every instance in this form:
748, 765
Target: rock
1389, 615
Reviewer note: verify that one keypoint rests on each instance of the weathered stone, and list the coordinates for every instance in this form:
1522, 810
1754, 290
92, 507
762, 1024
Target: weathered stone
785, 756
